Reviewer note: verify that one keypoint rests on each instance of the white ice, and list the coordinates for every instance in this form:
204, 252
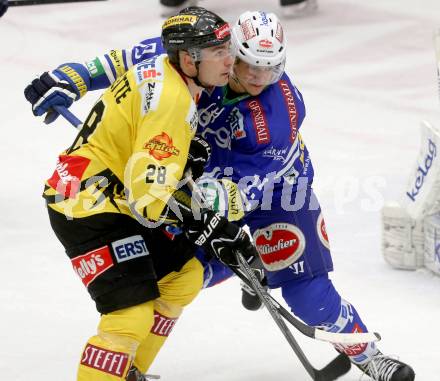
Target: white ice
367, 73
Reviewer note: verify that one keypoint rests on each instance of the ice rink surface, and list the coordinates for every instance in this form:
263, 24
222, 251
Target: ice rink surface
367, 73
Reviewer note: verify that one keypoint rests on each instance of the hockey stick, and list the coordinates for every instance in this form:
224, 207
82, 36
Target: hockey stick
332, 371
16, 3
307, 330
70, 117
339, 366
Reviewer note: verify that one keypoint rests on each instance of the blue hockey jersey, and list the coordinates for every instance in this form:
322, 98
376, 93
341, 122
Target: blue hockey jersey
256, 141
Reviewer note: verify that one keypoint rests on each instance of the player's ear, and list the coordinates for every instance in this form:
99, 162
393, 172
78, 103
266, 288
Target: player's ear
187, 63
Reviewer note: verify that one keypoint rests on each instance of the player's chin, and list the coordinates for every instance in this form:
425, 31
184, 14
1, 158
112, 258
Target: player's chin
223, 79
254, 89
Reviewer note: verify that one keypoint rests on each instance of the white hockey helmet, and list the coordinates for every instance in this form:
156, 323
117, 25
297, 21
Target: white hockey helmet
258, 40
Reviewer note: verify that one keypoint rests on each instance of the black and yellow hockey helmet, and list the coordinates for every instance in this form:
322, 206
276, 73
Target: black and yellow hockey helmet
192, 28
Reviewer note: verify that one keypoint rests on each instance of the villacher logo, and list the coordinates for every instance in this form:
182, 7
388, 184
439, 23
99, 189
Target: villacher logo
279, 245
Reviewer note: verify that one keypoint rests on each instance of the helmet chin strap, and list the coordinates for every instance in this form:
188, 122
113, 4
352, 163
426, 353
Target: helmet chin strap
196, 77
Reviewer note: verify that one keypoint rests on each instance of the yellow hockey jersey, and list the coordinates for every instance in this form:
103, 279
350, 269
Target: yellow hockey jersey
131, 152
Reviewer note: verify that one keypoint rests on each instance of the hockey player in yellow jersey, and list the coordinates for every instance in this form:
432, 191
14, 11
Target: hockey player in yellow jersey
117, 187
136, 139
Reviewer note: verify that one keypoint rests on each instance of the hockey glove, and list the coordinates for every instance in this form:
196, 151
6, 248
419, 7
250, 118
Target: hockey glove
48, 90
220, 238
198, 156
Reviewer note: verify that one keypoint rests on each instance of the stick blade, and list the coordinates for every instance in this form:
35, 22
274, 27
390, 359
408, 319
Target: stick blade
347, 338
339, 366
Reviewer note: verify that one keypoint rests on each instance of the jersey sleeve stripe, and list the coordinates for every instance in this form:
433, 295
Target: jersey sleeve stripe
124, 59
108, 68
128, 59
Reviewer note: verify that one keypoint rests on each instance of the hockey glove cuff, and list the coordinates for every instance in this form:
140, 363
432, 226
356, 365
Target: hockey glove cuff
198, 156
220, 238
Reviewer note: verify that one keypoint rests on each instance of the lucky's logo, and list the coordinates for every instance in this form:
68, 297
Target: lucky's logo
279, 245
88, 266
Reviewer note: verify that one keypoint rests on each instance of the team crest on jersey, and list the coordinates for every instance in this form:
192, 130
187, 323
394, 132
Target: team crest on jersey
161, 147
279, 245
235, 120
92, 264
322, 231
66, 179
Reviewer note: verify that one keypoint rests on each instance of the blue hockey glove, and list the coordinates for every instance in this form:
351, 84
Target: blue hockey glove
48, 90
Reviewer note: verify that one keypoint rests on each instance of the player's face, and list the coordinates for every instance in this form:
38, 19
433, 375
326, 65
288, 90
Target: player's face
253, 79
216, 64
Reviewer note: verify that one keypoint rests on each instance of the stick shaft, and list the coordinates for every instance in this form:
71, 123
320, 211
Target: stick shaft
71, 118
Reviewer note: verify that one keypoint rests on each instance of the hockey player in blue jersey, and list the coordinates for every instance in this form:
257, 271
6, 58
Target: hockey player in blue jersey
253, 127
